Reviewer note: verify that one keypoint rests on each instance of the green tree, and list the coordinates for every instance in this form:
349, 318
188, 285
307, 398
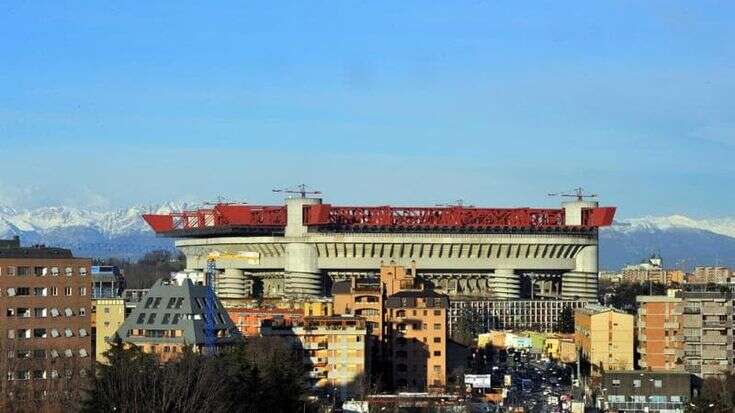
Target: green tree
468, 326
565, 324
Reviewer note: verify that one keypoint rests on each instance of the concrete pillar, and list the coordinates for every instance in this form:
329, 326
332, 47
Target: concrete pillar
302, 274
231, 284
505, 284
295, 215
303, 277
582, 282
573, 211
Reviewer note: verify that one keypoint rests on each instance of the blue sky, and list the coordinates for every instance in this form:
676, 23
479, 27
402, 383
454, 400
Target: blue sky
374, 102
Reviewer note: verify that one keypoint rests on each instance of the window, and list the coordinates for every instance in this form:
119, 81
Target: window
67, 271
54, 291
10, 312
54, 271
166, 318
657, 383
54, 333
39, 354
11, 334
82, 291
54, 354
152, 318
437, 353
82, 352
68, 312
23, 291
23, 271
67, 291
636, 383
141, 318
40, 292
68, 332
171, 302
437, 326
82, 332
40, 271
39, 374
39, 333
148, 303
179, 302
437, 339
176, 319
11, 292
39, 312
54, 312
82, 271
68, 353
437, 312
82, 311
23, 312
156, 302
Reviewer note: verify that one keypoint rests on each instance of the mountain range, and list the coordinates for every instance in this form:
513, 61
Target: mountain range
680, 240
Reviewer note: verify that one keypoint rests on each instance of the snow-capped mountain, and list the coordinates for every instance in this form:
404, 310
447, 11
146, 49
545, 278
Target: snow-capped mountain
121, 233
682, 241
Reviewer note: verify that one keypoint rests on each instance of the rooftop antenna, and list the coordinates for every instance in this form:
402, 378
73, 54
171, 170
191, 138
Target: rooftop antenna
577, 192
456, 203
301, 189
221, 199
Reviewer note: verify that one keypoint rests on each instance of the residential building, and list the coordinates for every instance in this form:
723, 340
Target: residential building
561, 348
530, 315
107, 281
44, 323
604, 338
707, 330
108, 314
660, 331
172, 316
652, 271
416, 333
645, 391
406, 323
706, 275
132, 297
333, 349
250, 320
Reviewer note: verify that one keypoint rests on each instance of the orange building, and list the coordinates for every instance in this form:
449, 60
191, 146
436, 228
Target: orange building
659, 333
407, 326
249, 320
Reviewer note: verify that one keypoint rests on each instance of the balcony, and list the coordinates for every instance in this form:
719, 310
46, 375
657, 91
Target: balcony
691, 310
715, 339
715, 355
692, 339
715, 324
642, 324
671, 325
715, 310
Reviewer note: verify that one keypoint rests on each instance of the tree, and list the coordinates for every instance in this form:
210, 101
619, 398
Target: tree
565, 324
468, 326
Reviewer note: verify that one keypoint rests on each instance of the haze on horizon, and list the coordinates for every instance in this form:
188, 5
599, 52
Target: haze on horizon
497, 103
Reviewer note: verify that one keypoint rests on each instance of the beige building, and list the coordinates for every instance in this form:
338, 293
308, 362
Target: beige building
108, 314
406, 324
604, 337
659, 329
705, 275
333, 349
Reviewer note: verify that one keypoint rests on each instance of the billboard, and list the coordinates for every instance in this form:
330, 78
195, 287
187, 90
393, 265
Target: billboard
478, 381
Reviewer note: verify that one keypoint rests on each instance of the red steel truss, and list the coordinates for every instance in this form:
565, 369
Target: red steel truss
221, 215
224, 216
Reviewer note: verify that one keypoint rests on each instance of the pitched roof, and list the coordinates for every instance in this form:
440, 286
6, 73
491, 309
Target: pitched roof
186, 307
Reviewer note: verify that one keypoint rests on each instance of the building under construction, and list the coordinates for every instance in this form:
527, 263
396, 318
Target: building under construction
302, 247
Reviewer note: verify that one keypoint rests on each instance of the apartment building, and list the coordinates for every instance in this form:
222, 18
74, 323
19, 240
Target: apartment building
406, 324
172, 316
333, 349
604, 338
528, 315
250, 320
108, 314
660, 331
707, 331
416, 333
654, 392
45, 323
706, 275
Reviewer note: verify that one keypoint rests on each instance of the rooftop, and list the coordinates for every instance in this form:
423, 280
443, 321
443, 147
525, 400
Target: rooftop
11, 249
